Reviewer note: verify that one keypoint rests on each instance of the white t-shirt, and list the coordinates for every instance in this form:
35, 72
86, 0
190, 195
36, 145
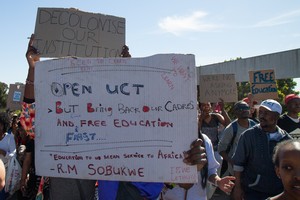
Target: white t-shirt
196, 192
8, 145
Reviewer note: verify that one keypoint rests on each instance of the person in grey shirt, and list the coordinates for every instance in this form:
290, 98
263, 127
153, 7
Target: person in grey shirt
232, 132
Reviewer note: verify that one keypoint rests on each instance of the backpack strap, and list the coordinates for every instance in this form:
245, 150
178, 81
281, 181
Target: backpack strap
235, 126
234, 132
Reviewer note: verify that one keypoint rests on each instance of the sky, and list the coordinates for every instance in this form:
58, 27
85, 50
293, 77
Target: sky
212, 30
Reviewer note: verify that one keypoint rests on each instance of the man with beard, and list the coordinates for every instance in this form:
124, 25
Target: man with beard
233, 131
253, 168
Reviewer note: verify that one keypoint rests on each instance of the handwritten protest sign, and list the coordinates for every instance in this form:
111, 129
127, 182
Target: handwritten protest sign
69, 32
15, 96
214, 87
126, 119
263, 84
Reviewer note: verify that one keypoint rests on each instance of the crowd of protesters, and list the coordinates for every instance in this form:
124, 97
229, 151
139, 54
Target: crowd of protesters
259, 155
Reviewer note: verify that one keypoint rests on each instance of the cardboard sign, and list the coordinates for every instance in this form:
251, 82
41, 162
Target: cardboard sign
15, 97
69, 32
263, 84
214, 87
126, 119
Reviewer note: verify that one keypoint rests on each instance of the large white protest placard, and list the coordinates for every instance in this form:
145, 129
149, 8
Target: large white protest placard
126, 119
70, 32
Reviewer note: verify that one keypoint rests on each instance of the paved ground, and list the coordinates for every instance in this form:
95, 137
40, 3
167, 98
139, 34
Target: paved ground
220, 195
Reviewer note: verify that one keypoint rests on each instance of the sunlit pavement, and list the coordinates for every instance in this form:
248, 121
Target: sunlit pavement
220, 195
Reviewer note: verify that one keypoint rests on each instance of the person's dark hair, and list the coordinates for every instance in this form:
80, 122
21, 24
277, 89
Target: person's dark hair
204, 170
278, 147
4, 120
125, 52
14, 117
19, 125
238, 104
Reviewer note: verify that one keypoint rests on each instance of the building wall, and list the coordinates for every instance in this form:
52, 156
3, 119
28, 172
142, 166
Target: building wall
286, 64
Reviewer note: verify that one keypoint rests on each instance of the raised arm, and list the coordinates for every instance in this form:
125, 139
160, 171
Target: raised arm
225, 115
32, 56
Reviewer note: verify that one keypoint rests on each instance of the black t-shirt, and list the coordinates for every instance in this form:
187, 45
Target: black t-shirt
287, 124
211, 130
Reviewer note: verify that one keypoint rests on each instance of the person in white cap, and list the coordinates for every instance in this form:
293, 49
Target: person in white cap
253, 168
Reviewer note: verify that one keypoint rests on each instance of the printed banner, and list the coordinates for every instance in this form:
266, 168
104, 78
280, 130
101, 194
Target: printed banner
126, 119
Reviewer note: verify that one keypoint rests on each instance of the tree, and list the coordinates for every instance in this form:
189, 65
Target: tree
3, 95
286, 86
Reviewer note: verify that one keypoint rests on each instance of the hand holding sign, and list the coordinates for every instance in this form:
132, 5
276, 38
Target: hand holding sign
196, 155
32, 53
